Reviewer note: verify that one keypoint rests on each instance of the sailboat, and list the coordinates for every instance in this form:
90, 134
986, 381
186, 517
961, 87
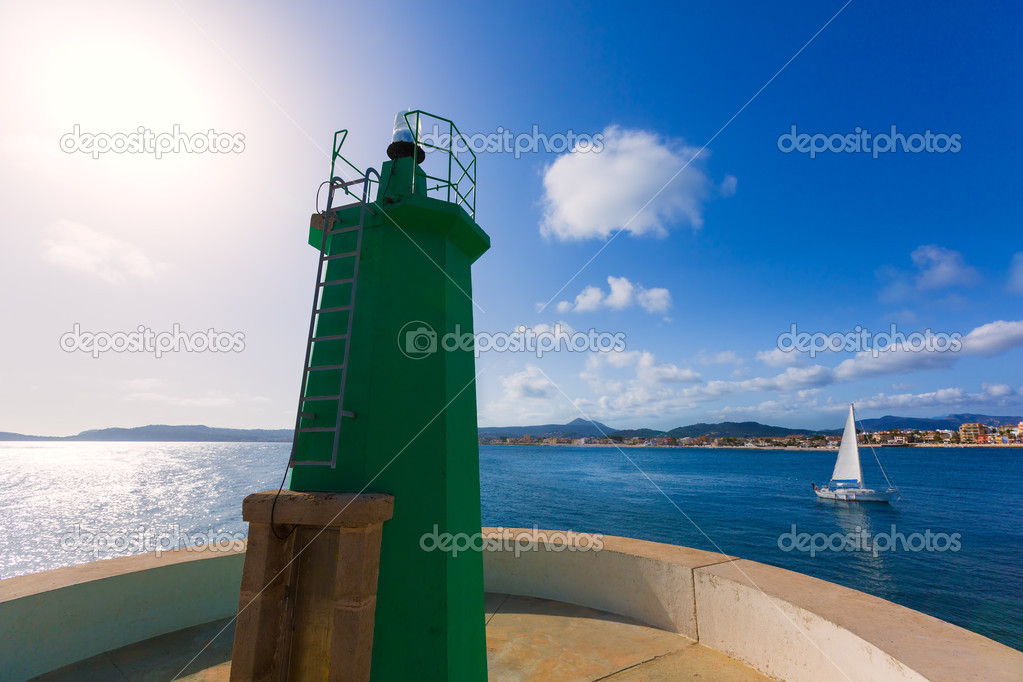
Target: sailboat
847, 480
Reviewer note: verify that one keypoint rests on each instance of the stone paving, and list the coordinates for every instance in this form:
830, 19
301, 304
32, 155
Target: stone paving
527, 639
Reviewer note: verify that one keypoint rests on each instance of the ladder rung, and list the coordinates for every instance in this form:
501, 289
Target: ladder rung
348, 183
332, 337
337, 281
307, 415
332, 209
344, 229
317, 429
310, 463
335, 209
334, 309
322, 397
346, 254
316, 368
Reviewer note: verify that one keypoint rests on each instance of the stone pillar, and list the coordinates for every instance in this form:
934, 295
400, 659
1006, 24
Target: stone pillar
307, 603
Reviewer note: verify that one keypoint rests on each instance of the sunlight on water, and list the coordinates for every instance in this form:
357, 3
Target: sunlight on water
68, 503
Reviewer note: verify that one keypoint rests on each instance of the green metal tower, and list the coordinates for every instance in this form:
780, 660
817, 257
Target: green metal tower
385, 407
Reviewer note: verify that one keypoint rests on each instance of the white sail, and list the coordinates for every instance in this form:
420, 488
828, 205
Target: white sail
847, 466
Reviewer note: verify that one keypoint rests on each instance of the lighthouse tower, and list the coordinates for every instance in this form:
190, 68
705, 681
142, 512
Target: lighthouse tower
386, 416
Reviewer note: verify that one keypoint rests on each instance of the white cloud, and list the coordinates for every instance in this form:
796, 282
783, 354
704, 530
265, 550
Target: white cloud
893, 360
992, 395
776, 357
728, 186
528, 397
1016, 274
728, 357
648, 374
942, 397
940, 268
793, 378
994, 338
590, 195
654, 300
989, 339
560, 330
997, 390
634, 385
621, 294
802, 403
530, 384
935, 268
656, 389
77, 247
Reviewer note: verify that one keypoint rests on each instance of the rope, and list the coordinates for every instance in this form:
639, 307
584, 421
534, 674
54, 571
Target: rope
876, 459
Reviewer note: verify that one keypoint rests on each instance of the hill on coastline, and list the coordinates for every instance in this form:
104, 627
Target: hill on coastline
577, 428
161, 432
949, 421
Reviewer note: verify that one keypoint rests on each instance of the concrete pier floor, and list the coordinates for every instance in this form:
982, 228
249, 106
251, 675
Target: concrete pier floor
527, 639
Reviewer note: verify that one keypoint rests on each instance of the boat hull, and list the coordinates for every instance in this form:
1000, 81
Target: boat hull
857, 495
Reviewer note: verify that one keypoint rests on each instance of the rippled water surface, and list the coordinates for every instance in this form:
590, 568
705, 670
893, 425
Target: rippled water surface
67, 503
741, 501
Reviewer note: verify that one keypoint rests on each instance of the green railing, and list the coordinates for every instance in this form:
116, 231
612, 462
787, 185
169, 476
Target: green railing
339, 140
451, 175
459, 183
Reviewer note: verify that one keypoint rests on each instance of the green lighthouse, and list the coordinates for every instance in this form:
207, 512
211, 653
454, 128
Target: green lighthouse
388, 400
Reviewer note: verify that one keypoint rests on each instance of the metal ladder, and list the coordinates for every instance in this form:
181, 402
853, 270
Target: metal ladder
329, 219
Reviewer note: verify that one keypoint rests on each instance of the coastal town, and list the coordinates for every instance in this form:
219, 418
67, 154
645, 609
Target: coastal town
967, 434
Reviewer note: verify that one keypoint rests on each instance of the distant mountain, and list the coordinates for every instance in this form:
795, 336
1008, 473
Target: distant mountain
580, 428
949, 421
162, 432
735, 430
7, 435
983, 419
577, 428
639, 433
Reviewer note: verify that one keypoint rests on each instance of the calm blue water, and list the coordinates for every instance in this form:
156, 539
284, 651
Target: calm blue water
739, 501
67, 503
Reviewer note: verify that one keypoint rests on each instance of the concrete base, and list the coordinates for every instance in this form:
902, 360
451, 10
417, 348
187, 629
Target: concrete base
308, 600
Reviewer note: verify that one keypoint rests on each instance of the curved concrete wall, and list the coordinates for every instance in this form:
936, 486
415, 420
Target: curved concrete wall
53, 618
785, 624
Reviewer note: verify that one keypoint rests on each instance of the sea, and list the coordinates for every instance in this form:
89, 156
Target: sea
952, 547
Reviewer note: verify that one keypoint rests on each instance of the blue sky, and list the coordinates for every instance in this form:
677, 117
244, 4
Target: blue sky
744, 242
